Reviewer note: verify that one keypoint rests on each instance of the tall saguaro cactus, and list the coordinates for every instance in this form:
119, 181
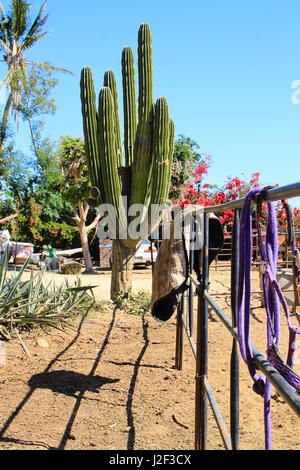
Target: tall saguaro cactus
141, 172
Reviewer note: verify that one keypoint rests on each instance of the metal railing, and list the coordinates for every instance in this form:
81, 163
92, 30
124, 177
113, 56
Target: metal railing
199, 346
222, 260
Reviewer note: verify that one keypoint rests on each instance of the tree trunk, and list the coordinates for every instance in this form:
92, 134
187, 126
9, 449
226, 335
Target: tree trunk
122, 267
85, 248
4, 121
3, 132
84, 231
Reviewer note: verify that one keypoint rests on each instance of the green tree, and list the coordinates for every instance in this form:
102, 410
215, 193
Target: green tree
76, 188
36, 102
32, 184
186, 156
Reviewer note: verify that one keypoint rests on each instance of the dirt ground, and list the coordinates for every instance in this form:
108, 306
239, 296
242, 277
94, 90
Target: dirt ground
109, 383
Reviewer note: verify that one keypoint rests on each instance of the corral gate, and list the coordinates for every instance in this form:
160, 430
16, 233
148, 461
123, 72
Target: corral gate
185, 321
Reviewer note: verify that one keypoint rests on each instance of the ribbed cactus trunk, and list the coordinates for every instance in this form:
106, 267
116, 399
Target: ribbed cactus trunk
142, 172
129, 104
142, 159
122, 268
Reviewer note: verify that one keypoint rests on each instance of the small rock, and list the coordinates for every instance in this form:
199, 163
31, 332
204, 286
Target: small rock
42, 342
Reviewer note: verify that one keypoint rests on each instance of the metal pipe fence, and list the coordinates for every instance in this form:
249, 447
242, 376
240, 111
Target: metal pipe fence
199, 344
222, 259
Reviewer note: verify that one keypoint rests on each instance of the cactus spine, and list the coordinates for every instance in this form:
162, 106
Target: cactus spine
143, 173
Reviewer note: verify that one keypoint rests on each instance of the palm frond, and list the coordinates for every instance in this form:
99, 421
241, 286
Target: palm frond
7, 76
19, 18
5, 46
37, 24
29, 41
2, 11
4, 18
51, 67
5, 26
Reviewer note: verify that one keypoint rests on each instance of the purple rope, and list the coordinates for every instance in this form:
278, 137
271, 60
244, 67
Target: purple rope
273, 298
292, 240
243, 317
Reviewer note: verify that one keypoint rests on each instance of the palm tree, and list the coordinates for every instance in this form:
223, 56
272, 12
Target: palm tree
17, 36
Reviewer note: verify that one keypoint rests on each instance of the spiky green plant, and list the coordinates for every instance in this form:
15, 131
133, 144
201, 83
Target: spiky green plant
141, 172
37, 303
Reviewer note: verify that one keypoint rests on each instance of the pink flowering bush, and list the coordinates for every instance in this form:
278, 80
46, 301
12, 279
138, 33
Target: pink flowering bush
234, 188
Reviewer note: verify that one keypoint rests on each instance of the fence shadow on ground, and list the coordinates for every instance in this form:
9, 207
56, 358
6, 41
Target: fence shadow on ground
31, 391
66, 382
75, 385
130, 420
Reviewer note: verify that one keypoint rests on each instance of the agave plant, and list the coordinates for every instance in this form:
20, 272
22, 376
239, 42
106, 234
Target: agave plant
36, 303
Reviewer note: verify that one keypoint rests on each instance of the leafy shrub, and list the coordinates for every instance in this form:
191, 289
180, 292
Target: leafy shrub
134, 303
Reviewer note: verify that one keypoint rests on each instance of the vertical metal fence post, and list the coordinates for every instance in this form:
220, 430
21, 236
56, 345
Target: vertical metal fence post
179, 335
202, 342
234, 365
191, 293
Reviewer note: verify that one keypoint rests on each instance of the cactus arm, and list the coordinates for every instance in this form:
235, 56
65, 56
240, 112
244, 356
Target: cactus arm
125, 180
110, 82
143, 142
161, 143
89, 115
171, 155
109, 158
145, 72
129, 103
163, 148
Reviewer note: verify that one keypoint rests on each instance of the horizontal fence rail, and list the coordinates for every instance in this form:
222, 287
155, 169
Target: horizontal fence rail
284, 256
199, 346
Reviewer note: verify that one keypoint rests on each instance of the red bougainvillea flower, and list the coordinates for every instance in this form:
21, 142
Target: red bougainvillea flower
229, 186
255, 178
234, 188
200, 170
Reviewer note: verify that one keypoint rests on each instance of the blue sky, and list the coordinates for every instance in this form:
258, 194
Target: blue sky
225, 67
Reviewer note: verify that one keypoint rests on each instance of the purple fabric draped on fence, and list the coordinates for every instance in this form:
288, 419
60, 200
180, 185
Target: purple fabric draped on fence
273, 298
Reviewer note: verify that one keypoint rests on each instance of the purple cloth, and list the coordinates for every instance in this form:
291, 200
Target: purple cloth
273, 298
243, 317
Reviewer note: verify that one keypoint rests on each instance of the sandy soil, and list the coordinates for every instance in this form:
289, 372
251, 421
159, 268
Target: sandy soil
110, 383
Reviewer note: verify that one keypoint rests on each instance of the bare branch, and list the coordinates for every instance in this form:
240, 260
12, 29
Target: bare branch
93, 224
